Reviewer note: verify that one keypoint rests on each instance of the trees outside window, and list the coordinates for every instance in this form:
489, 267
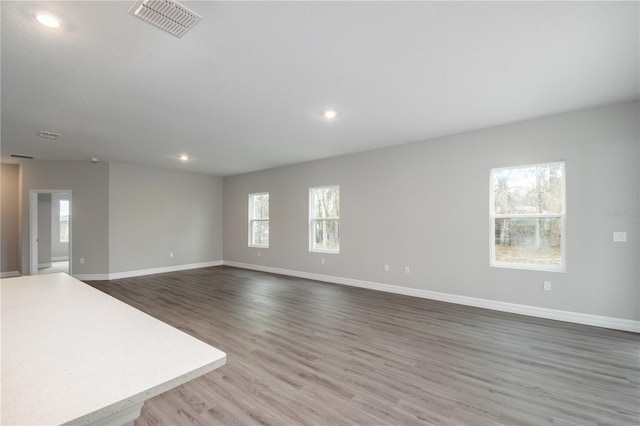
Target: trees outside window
527, 212
259, 220
324, 219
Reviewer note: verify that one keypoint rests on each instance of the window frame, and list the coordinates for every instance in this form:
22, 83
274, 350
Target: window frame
252, 219
313, 220
562, 216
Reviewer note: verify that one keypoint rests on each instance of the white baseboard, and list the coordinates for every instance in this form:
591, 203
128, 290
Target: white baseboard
91, 277
533, 311
141, 272
44, 265
59, 258
10, 274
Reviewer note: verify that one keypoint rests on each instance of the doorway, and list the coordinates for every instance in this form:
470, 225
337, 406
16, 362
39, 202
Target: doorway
50, 231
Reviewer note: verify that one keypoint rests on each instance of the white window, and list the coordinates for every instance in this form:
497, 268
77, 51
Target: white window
259, 220
64, 221
527, 212
324, 219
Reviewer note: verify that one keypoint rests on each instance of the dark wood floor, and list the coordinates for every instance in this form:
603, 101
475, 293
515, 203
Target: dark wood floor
305, 352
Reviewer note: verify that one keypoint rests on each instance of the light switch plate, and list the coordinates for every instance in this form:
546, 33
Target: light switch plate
620, 237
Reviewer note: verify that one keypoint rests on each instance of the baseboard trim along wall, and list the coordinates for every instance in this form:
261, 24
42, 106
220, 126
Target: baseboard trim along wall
514, 308
138, 273
10, 274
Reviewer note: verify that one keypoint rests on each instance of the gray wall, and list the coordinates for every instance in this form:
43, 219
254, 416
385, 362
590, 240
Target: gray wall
426, 205
89, 184
44, 230
153, 212
9, 213
128, 218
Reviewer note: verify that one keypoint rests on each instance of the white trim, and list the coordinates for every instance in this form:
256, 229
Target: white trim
140, 272
533, 311
44, 265
10, 274
59, 258
91, 277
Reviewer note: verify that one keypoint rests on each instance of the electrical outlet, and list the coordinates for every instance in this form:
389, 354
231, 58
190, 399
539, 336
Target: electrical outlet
407, 270
547, 285
171, 254
386, 267
259, 254
82, 260
322, 260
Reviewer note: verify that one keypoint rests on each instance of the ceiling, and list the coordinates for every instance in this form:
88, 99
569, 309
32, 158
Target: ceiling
246, 88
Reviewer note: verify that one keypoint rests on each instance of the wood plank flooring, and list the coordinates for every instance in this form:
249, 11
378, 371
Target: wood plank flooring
301, 352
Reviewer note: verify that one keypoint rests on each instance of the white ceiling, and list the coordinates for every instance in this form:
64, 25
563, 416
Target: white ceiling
245, 89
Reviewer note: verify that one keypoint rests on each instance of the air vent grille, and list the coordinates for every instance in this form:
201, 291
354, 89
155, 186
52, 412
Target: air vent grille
26, 157
48, 135
167, 15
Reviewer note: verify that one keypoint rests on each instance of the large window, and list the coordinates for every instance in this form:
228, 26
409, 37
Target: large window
527, 210
259, 220
64, 221
324, 219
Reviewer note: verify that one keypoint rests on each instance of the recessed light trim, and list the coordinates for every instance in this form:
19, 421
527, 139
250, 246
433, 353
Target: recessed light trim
330, 114
48, 20
183, 157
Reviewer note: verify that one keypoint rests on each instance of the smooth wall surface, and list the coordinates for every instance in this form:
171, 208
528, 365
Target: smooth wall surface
426, 205
89, 184
9, 212
154, 212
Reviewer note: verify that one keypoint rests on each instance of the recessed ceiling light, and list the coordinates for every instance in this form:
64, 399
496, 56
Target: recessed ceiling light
330, 114
48, 20
183, 157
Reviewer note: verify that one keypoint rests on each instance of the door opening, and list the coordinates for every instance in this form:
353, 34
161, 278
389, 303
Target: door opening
50, 231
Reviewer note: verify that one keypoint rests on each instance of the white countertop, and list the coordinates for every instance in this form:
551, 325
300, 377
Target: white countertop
72, 353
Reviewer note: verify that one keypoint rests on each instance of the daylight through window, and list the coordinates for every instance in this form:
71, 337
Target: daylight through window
259, 220
324, 219
64, 221
528, 217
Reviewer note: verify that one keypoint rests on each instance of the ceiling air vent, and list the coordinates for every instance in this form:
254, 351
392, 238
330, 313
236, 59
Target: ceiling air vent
26, 157
48, 135
167, 15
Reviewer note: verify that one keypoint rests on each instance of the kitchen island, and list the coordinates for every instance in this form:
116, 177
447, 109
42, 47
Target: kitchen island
72, 354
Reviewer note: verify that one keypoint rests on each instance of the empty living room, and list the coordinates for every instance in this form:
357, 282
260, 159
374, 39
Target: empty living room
320, 213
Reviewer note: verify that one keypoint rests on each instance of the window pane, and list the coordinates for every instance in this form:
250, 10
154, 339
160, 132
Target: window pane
531, 241
64, 230
529, 190
64, 221
326, 235
260, 206
260, 233
326, 202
